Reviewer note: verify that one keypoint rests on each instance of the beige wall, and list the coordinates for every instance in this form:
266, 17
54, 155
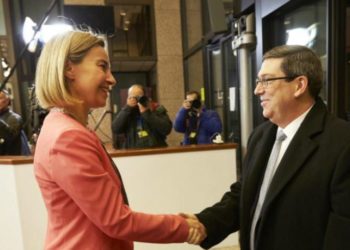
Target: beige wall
170, 78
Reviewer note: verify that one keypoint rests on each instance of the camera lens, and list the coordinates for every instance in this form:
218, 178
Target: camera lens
143, 100
196, 104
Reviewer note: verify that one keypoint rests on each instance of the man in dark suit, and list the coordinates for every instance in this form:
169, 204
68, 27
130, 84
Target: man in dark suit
303, 201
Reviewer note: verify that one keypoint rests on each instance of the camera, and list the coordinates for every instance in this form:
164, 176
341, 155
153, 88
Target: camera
143, 100
195, 105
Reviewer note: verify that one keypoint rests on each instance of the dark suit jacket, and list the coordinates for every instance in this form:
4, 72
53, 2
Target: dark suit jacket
10, 133
307, 206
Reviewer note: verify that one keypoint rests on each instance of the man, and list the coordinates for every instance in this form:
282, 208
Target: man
10, 129
199, 125
303, 201
142, 123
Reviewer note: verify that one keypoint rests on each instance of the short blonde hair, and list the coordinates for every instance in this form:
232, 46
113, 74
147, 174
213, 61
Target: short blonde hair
51, 86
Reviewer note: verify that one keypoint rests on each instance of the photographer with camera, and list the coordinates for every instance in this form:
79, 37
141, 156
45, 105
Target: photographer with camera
198, 124
13, 140
141, 123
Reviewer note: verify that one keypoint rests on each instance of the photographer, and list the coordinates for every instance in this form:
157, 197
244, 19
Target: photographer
198, 124
141, 124
13, 141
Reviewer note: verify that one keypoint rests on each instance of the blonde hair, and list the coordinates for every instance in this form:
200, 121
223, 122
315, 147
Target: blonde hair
51, 86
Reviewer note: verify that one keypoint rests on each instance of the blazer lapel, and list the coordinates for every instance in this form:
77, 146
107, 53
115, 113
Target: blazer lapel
288, 168
259, 147
256, 164
299, 150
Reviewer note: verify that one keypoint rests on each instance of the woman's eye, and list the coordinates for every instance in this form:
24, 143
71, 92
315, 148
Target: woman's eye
104, 67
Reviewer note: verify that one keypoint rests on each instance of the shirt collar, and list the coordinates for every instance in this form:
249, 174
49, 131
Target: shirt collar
291, 129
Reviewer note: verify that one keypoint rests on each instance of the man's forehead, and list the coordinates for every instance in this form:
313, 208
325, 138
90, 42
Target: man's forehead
136, 90
191, 96
271, 66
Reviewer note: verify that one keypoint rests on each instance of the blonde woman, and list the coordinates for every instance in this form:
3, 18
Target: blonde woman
82, 189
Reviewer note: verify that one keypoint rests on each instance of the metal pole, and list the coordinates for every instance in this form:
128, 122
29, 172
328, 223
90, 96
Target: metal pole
246, 100
244, 41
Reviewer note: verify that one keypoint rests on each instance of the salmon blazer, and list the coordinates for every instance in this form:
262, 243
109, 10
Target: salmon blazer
83, 197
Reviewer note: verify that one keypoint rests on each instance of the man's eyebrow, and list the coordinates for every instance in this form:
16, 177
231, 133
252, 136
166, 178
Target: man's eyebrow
265, 75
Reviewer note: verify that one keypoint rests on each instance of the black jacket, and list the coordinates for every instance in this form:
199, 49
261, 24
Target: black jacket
129, 126
307, 206
10, 133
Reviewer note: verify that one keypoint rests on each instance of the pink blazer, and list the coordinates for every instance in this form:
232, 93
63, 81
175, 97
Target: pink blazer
82, 194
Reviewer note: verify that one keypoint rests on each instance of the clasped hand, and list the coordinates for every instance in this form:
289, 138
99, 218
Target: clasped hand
197, 232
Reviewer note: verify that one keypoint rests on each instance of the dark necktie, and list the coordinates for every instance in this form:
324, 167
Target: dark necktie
125, 197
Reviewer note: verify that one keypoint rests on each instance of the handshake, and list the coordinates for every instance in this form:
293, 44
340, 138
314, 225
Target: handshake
197, 232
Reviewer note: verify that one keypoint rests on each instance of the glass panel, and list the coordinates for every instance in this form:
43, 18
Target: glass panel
216, 89
305, 25
228, 6
133, 33
231, 76
2, 20
193, 22
195, 72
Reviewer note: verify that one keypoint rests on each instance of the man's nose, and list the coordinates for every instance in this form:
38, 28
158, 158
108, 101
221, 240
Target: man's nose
259, 89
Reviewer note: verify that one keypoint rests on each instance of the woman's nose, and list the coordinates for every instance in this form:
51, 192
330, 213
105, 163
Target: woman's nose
110, 79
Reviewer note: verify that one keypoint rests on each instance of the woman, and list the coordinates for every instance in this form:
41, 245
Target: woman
83, 192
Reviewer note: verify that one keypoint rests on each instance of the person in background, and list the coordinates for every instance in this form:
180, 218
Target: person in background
13, 141
295, 187
199, 125
86, 202
142, 123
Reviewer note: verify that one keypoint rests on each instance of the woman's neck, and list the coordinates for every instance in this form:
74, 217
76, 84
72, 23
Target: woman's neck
77, 114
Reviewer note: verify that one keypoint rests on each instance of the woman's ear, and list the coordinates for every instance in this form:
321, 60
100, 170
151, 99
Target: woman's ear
301, 86
69, 71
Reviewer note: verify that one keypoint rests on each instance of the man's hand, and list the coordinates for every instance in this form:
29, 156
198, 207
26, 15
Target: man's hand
197, 232
142, 108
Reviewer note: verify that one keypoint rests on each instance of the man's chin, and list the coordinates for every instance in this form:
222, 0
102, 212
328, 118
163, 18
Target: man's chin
266, 114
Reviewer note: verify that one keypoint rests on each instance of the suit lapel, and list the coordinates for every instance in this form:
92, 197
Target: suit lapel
259, 151
288, 167
299, 150
259, 147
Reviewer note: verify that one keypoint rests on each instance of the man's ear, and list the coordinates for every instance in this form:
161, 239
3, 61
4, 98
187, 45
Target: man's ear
301, 86
69, 71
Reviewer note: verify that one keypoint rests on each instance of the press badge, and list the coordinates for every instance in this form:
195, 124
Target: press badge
142, 133
193, 135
